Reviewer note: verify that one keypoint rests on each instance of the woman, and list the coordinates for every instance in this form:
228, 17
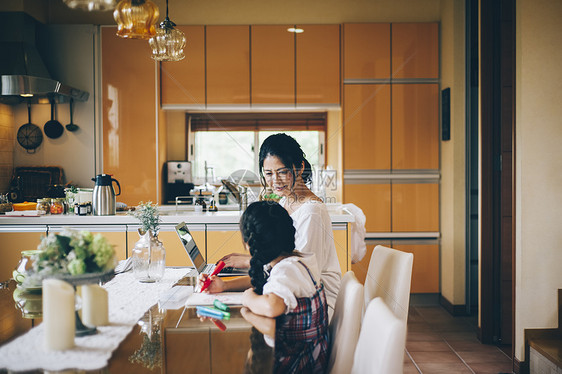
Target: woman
285, 170
285, 286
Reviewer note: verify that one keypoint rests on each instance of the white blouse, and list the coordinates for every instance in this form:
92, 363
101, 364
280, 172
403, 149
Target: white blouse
289, 280
314, 235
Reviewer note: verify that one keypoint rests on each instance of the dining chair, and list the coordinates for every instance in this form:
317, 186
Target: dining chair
345, 324
381, 344
389, 276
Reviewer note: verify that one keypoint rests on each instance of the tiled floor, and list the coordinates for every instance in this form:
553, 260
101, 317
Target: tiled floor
440, 343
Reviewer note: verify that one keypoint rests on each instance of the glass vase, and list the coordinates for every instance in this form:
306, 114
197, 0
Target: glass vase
149, 258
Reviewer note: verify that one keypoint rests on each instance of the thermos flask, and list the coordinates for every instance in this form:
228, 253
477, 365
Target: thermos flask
103, 198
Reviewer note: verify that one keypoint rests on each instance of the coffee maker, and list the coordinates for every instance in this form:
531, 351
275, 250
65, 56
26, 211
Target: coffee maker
178, 181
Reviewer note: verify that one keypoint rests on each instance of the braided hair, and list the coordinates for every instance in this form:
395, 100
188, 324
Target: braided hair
288, 150
268, 230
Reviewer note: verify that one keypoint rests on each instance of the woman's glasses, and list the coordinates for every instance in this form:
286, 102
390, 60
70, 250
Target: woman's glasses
282, 173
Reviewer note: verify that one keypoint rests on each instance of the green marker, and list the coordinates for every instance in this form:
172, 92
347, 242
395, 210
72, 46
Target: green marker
219, 305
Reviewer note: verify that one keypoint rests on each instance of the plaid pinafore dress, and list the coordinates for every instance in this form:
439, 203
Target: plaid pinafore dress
301, 336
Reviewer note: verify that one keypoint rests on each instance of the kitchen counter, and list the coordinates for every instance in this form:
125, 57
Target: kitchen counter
168, 214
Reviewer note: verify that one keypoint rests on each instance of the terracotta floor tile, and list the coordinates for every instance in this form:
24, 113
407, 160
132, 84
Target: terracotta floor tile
410, 368
444, 368
423, 336
471, 345
427, 346
471, 357
441, 357
492, 368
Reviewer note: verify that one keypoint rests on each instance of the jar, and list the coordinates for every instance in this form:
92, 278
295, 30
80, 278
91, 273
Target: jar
57, 206
44, 205
81, 209
149, 258
25, 264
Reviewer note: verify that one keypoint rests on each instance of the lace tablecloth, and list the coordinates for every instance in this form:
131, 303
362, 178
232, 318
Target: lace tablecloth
128, 300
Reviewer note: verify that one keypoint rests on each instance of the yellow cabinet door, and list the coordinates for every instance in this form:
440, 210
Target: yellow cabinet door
415, 207
415, 126
366, 51
341, 241
425, 271
273, 64
222, 240
415, 50
13, 243
175, 251
366, 126
374, 200
129, 116
114, 234
228, 65
182, 82
318, 64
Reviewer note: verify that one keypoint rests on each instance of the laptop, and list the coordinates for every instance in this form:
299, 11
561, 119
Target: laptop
197, 259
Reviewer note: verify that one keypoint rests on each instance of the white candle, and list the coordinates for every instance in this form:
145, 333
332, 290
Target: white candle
58, 314
94, 305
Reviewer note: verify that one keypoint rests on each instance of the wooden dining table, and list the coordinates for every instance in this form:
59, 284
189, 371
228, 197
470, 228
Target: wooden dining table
163, 341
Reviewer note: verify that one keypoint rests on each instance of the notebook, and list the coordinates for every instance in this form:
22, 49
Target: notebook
197, 259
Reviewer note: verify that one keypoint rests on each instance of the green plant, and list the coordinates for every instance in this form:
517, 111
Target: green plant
148, 215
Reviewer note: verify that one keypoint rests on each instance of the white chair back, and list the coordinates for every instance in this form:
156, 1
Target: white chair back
381, 344
345, 324
389, 276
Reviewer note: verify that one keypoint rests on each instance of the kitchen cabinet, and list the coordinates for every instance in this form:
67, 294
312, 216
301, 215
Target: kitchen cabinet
175, 251
182, 82
415, 207
228, 65
366, 127
341, 241
114, 234
366, 51
415, 50
129, 116
415, 126
318, 64
222, 240
273, 64
425, 270
375, 201
16, 239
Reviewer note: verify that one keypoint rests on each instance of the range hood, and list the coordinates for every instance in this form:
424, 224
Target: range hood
23, 75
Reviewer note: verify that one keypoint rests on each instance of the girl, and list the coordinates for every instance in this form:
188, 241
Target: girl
286, 286
284, 168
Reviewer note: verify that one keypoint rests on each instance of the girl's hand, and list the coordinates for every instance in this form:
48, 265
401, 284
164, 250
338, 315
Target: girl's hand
217, 284
237, 260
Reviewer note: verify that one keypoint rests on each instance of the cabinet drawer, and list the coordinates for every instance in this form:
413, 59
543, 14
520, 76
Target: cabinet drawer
415, 207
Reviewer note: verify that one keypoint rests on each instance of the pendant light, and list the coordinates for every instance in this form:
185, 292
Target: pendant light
169, 42
136, 18
90, 4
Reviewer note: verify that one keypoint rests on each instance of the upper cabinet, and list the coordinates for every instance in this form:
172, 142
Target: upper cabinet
318, 64
228, 65
366, 51
129, 116
415, 50
183, 82
273, 64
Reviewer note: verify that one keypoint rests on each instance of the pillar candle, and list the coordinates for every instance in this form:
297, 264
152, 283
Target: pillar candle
94, 305
58, 314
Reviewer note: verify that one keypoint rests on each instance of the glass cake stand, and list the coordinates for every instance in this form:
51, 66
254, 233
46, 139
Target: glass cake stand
81, 280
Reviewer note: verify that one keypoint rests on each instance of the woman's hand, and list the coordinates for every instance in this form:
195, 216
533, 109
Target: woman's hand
237, 260
217, 284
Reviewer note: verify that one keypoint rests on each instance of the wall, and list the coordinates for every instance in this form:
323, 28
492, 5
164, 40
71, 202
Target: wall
537, 166
453, 209
71, 62
7, 144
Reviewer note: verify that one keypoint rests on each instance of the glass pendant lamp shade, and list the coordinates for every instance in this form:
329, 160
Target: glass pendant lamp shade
136, 18
168, 43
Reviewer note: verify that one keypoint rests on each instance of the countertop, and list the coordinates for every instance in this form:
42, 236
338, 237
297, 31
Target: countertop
168, 214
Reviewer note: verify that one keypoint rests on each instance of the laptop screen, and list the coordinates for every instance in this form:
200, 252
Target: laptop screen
190, 247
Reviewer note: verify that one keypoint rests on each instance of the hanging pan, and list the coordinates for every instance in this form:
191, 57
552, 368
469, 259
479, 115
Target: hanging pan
53, 128
29, 135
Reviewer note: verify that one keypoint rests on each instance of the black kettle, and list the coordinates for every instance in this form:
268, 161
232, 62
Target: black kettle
103, 198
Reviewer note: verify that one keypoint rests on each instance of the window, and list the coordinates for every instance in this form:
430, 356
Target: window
226, 145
